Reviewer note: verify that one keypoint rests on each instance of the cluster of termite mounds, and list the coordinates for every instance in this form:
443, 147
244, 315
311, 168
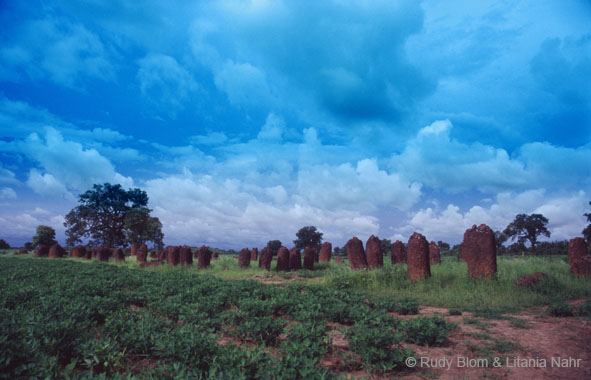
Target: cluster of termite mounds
478, 250
287, 260
171, 255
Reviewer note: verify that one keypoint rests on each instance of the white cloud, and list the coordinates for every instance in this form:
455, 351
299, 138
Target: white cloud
63, 51
7, 176
67, 164
48, 185
272, 129
243, 83
197, 210
7, 193
165, 83
435, 159
361, 187
564, 212
20, 226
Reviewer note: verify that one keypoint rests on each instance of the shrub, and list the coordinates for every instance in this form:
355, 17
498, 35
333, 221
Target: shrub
407, 306
455, 312
584, 310
375, 347
560, 310
427, 331
261, 329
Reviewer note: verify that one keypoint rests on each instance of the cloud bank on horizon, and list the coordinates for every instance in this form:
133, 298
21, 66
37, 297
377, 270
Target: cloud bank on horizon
246, 120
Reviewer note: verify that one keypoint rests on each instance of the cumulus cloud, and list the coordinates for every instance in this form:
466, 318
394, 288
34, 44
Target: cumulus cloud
62, 51
165, 83
67, 164
243, 83
48, 185
360, 187
435, 159
564, 212
7, 193
207, 210
351, 63
19, 226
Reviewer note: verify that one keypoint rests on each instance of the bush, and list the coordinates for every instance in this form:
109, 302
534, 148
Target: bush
407, 306
584, 310
455, 312
560, 310
427, 331
374, 347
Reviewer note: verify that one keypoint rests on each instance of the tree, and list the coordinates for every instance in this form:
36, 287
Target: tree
443, 246
140, 227
308, 237
527, 227
111, 216
385, 246
4, 244
45, 235
500, 239
587, 230
28, 246
274, 245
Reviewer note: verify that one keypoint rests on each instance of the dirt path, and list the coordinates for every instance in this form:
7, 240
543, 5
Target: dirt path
530, 345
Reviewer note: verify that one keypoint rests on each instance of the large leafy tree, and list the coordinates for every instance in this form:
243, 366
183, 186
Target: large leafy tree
500, 239
587, 230
274, 245
4, 244
527, 227
140, 227
111, 216
45, 235
308, 237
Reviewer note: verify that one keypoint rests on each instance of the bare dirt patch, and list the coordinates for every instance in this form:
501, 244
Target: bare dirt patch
529, 344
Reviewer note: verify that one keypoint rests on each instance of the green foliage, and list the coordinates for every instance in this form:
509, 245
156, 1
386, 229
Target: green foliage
4, 244
385, 246
527, 227
308, 237
45, 235
500, 239
109, 215
377, 346
584, 310
560, 310
140, 227
455, 312
427, 331
407, 306
587, 230
274, 245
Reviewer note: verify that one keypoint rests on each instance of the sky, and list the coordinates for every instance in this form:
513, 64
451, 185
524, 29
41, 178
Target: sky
247, 120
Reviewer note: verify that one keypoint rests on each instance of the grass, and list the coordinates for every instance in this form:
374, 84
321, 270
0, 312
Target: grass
449, 286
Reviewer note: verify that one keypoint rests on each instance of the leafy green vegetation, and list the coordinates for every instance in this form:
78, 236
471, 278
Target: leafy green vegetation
68, 319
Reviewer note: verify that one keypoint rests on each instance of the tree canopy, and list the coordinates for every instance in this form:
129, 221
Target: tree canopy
274, 245
527, 227
110, 216
587, 230
4, 244
308, 237
45, 235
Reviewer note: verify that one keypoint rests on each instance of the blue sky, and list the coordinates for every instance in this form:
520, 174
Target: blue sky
246, 120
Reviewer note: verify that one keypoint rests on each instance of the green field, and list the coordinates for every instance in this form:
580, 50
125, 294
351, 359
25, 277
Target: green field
72, 318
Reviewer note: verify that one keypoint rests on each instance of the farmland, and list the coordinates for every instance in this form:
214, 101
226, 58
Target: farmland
73, 318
